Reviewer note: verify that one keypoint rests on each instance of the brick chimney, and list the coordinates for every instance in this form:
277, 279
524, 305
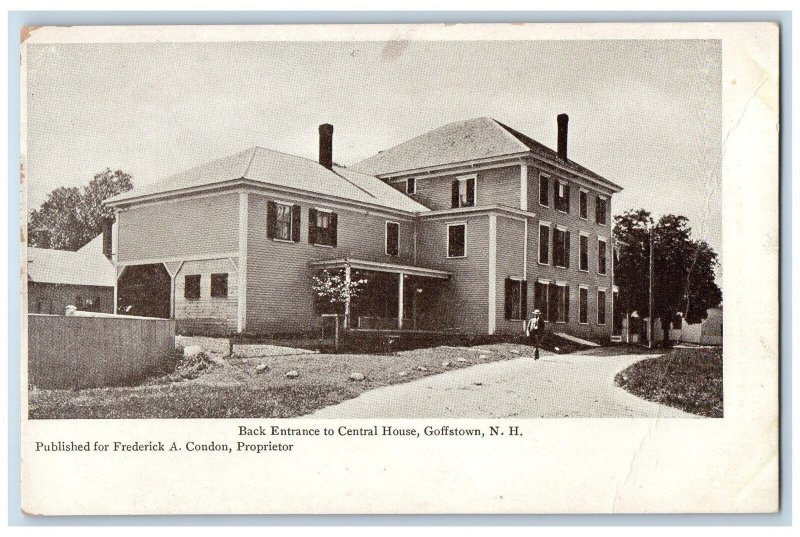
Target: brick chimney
326, 145
563, 120
107, 237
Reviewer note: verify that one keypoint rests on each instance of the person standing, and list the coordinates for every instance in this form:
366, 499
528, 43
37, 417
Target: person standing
534, 329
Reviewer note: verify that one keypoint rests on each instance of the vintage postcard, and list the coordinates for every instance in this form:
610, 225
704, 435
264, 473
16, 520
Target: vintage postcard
479, 268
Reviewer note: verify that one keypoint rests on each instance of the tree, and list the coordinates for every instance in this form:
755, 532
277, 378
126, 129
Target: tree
71, 217
683, 268
336, 289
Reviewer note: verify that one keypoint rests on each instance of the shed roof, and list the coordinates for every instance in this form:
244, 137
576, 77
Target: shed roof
87, 266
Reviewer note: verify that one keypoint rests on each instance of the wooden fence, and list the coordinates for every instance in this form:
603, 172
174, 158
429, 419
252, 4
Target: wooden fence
74, 352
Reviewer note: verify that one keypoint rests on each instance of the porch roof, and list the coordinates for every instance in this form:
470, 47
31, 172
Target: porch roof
381, 267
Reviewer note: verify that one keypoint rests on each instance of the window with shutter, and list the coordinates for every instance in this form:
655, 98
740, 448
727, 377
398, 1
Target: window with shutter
515, 298
464, 192
583, 263
392, 238
583, 305
411, 185
280, 224
552, 302
312, 226
601, 256
544, 243
600, 210
544, 191
583, 210
296, 223
540, 299
272, 215
601, 307
560, 246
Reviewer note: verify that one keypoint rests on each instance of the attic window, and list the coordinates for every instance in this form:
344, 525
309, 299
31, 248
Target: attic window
411, 185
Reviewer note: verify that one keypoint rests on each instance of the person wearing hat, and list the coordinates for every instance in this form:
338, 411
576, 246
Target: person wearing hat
534, 329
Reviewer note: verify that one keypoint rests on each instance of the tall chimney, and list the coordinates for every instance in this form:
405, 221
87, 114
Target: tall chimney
326, 145
107, 239
563, 120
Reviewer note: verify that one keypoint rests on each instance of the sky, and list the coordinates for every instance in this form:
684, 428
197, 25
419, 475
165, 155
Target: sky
644, 114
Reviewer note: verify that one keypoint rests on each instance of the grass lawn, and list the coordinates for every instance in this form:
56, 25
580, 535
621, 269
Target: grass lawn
688, 379
234, 389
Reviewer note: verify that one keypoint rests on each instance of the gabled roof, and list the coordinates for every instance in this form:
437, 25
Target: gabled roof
87, 266
464, 141
282, 170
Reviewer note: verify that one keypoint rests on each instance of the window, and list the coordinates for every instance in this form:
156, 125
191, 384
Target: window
544, 243
601, 256
544, 191
584, 204
562, 197
540, 299
219, 285
463, 194
392, 238
600, 210
583, 305
457, 240
283, 221
561, 302
584, 253
322, 227
601, 306
191, 286
411, 185
561, 248
516, 299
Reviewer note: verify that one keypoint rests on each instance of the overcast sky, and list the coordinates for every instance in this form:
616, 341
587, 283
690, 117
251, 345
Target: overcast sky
644, 114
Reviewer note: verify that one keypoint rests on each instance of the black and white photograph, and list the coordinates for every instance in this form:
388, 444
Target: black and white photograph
393, 223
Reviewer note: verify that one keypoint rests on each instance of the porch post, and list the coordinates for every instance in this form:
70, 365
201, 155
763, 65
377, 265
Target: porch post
400, 301
347, 297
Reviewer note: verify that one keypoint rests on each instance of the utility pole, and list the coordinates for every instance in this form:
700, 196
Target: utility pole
650, 314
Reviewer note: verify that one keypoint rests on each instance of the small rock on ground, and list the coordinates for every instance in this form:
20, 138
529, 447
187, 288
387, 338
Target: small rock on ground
262, 368
292, 374
462, 360
192, 350
356, 376
446, 364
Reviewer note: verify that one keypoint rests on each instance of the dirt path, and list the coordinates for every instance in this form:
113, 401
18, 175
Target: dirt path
556, 386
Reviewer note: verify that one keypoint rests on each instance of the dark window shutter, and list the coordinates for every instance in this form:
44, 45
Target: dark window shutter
312, 226
296, 223
566, 304
566, 249
334, 228
272, 218
471, 192
555, 193
509, 284
524, 298
454, 194
566, 198
552, 302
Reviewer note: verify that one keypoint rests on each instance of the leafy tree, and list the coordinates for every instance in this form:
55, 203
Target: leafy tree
683, 268
72, 217
335, 289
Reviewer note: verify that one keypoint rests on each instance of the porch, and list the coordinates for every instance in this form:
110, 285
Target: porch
395, 297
